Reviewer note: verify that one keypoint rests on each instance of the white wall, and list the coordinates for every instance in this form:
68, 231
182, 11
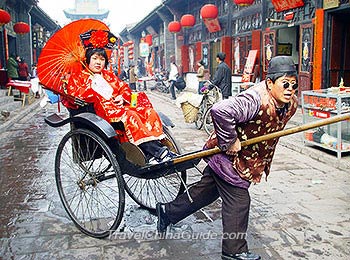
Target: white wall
192, 83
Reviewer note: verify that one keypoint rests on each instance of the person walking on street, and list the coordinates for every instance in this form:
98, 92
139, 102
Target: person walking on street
200, 76
173, 74
222, 77
12, 67
262, 109
23, 70
132, 77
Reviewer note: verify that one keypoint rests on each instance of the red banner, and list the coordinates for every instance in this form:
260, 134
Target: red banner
283, 5
213, 25
249, 66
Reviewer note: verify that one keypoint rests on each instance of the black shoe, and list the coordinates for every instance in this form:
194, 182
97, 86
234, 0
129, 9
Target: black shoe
240, 256
163, 221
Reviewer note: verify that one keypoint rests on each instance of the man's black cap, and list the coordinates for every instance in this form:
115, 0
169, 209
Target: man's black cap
221, 56
281, 64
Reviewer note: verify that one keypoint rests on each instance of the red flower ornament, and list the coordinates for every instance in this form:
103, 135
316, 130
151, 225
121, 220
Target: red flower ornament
99, 39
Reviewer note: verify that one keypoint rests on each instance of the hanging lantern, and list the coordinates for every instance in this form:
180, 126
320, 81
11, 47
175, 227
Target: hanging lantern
209, 11
5, 17
21, 28
188, 20
148, 39
243, 2
174, 27
126, 44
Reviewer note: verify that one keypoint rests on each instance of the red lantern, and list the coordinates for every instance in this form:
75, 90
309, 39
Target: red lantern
21, 28
243, 2
5, 17
209, 11
187, 20
148, 39
174, 27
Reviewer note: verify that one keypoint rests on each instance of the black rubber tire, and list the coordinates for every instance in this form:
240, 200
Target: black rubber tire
199, 120
208, 122
90, 183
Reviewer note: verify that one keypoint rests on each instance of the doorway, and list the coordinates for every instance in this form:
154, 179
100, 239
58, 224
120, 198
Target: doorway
338, 46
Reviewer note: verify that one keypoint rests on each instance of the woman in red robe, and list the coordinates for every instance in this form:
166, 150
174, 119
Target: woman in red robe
112, 98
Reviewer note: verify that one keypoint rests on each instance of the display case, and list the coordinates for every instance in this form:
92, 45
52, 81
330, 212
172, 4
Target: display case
325, 103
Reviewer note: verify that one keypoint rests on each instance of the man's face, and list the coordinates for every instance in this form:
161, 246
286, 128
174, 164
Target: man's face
283, 89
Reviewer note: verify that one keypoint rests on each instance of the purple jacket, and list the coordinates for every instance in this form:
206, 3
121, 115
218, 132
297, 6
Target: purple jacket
226, 115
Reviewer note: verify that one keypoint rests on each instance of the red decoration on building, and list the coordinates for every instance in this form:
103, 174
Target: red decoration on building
174, 27
148, 39
21, 28
289, 16
126, 44
243, 2
209, 11
5, 17
188, 20
283, 5
213, 25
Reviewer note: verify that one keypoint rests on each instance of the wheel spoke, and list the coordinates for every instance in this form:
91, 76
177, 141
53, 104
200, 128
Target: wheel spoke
93, 201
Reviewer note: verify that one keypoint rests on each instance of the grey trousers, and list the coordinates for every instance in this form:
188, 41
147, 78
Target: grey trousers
235, 208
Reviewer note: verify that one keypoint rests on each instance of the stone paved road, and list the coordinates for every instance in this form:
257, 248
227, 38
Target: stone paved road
302, 212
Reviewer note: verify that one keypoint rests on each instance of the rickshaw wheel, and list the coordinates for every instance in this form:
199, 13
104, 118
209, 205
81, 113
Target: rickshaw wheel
148, 192
89, 183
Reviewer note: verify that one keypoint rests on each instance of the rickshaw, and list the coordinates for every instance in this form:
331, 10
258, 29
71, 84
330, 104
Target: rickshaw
93, 169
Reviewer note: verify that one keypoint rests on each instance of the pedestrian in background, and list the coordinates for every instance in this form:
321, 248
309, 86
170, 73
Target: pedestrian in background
124, 74
173, 74
23, 70
34, 80
132, 77
262, 109
200, 76
222, 77
12, 67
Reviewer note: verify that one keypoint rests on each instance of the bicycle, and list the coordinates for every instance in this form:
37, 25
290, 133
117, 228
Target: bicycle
208, 122
209, 98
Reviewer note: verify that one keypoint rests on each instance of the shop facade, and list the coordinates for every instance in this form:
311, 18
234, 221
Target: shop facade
314, 33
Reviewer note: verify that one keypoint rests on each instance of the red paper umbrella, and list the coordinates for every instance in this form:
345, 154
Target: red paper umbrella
64, 53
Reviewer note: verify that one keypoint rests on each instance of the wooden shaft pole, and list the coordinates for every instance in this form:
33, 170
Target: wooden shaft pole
293, 130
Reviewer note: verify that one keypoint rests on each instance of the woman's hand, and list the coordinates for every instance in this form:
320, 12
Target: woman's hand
234, 148
119, 100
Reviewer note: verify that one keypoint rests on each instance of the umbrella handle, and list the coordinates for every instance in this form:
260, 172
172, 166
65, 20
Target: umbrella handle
215, 150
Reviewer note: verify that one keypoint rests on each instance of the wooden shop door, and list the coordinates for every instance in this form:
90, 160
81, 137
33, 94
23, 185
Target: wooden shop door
305, 58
